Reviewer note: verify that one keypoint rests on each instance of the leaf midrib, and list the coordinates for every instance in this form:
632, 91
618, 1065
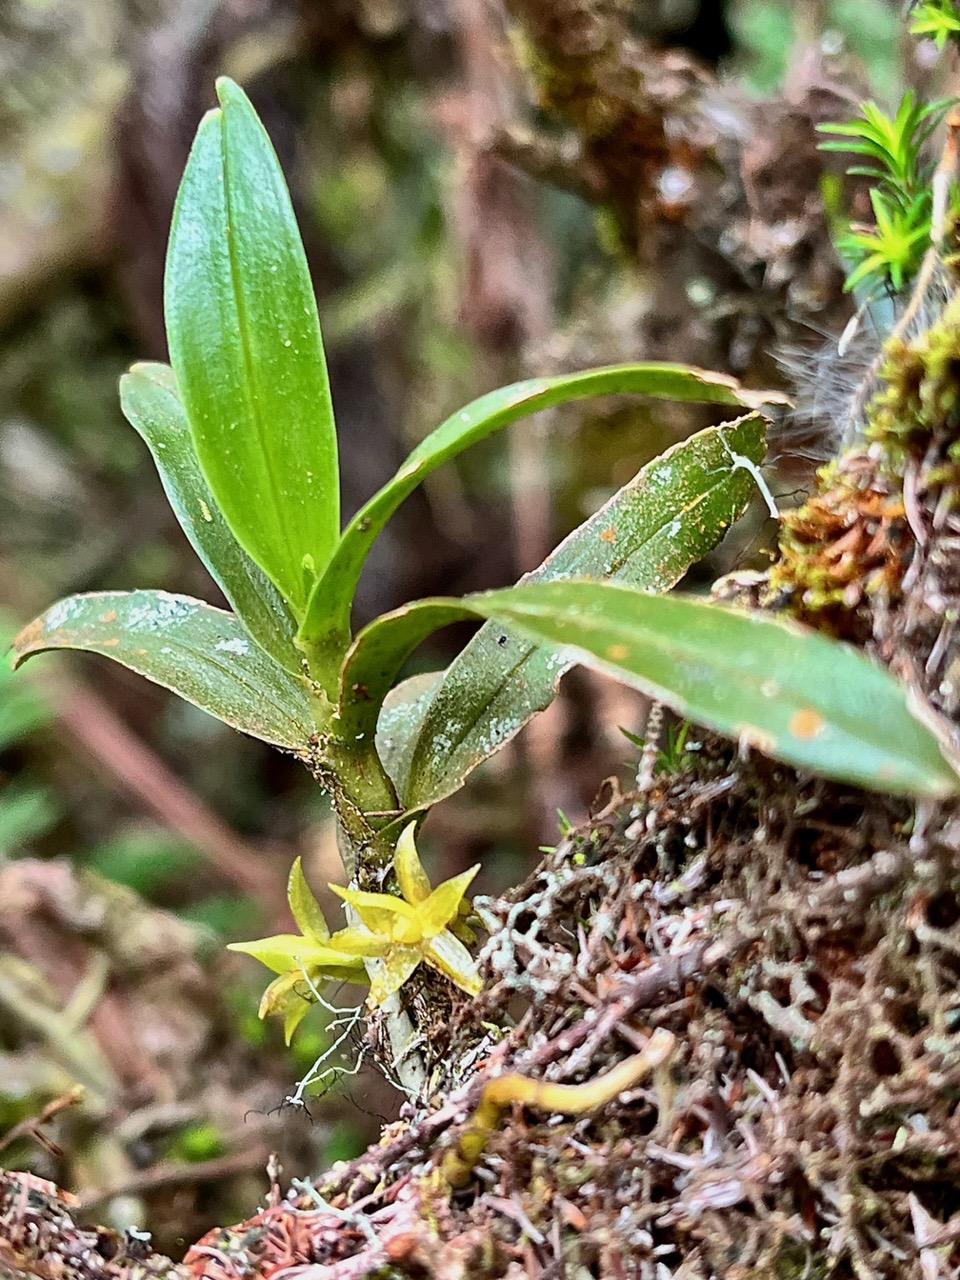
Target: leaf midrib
243, 325
180, 495
651, 637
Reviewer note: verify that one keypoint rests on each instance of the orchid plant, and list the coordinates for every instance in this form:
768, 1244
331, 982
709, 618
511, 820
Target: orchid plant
242, 432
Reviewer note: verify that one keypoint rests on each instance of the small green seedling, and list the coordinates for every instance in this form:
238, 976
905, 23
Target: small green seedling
938, 20
241, 429
886, 257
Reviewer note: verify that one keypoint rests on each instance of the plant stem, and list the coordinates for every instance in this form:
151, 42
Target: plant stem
407, 1063
366, 806
359, 787
324, 655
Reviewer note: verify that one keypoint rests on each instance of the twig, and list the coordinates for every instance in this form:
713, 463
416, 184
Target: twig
635, 992
30, 1127
144, 775
351, 1217
167, 1174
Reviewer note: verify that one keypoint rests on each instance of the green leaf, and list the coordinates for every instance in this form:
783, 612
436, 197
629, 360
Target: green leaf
201, 653
376, 656
328, 617
937, 21
245, 346
649, 533
306, 909
790, 692
399, 722
149, 398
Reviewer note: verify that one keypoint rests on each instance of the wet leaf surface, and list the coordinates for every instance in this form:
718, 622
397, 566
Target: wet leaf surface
649, 533
331, 603
790, 692
245, 345
201, 653
148, 394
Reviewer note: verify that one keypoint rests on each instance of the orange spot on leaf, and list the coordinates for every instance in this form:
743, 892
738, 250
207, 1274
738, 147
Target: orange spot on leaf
29, 636
608, 535
617, 652
111, 616
109, 644
806, 724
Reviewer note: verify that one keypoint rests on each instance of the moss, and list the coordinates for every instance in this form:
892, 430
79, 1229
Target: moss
920, 392
195, 1143
850, 541
845, 545
795, 1262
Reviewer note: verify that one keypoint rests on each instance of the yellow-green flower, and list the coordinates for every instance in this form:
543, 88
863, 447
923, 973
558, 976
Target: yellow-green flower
425, 925
301, 959
417, 927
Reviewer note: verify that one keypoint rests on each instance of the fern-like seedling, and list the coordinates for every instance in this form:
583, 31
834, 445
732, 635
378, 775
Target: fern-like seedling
937, 20
886, 257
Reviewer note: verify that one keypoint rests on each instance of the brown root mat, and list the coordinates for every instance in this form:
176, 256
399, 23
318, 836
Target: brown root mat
798, 940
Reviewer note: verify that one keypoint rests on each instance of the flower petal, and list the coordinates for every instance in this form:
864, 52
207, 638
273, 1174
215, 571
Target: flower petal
414, 884
444, 903
288, 951
283, 997
277, 994
380, 912
294, 1015
455, 962
397, 967
306, 909
356, 940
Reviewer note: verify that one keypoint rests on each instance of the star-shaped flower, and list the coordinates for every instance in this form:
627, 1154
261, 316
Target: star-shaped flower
417, 927
303, 960
425, 925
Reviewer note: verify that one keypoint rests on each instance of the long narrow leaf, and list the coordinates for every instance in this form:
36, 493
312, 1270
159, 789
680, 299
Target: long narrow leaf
399, 721
148, 395
328, 618
649, 533
377, 655
790, 692
245, 345
203, 654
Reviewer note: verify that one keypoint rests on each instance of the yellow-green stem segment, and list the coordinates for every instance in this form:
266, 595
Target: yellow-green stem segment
566, 1099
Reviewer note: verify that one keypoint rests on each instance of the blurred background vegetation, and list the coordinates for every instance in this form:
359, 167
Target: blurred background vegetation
454, 247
